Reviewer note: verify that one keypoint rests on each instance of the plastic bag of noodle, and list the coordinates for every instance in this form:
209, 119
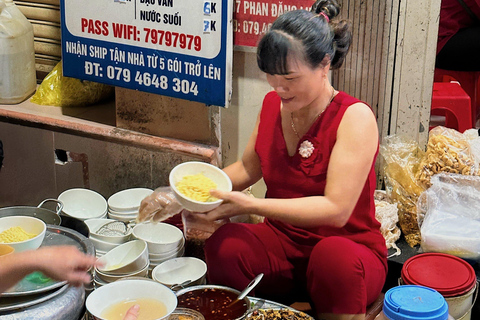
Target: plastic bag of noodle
60, 91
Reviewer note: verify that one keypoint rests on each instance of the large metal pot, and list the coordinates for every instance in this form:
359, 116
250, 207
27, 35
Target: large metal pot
208, 298
48, 216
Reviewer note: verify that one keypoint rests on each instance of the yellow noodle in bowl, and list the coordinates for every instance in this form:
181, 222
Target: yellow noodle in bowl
197, 187
15, 234
192, 181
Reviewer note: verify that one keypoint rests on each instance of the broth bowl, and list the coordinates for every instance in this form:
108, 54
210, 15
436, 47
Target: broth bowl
132, 290
217, 175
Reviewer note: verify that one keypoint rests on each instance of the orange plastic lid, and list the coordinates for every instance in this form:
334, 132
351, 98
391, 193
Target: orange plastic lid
449, 275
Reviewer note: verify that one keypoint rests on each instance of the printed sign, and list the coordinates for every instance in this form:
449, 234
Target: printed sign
177, 48
253, 18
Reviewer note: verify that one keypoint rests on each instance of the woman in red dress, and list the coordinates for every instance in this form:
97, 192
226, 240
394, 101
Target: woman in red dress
315, 148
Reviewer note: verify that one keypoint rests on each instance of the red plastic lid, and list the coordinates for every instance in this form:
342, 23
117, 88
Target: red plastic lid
449, 275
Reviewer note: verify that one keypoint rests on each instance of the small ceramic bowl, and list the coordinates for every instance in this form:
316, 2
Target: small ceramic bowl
160, 237
126, 258
128, 200
179, 270
6, 250
83, 203
114, 277
129, 290
101, 245
218, 176
30, 225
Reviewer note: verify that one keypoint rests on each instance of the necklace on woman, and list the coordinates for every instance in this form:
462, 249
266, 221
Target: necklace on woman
316, 117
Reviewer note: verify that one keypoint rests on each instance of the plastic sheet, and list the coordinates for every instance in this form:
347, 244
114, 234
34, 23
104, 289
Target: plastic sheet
60, 91
160, 205
451, 215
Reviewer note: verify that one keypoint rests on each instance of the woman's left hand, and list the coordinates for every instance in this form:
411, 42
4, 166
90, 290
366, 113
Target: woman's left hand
234, 203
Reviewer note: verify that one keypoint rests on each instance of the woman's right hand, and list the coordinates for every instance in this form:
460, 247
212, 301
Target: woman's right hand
159, 206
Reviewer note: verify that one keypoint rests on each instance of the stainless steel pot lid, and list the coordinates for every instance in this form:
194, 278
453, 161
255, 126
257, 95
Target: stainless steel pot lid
54, 236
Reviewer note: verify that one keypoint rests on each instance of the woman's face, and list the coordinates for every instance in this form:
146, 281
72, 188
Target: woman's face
301, 87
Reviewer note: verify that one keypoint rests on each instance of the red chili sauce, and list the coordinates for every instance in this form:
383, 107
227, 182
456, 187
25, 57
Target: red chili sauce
213, 303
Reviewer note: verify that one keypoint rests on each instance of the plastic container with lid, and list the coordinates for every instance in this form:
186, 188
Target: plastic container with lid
452, 277
17, 55
412, 302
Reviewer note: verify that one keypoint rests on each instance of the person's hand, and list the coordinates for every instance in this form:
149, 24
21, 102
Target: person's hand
64, 263
234, 203
132, 313
159, 206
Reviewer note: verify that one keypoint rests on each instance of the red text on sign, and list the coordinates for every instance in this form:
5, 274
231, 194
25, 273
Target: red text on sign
94, 26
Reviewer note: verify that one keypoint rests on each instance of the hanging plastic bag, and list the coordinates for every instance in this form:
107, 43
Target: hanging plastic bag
60, 91
452, 216
402, 158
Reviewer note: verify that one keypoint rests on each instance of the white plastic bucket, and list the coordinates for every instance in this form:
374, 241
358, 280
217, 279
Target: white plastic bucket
451, 276
460, 307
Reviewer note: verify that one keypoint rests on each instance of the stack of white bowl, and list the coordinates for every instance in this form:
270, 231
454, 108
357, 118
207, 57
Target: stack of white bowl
124, 205
83, 204
164, 241
127, 260
102, 241
178, 273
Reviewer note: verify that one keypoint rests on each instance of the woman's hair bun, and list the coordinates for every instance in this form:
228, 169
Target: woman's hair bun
329, 7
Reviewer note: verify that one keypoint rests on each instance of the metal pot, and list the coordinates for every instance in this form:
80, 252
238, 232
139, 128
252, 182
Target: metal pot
240, 309
48, 216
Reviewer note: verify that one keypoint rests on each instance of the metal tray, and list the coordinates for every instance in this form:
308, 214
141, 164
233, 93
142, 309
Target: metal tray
18, 302
54, 236
268, 304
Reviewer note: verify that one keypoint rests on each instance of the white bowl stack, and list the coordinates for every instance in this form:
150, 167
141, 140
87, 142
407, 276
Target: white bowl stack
127, 260
124, 205
104, 242
181, 272
164, 241
83, 204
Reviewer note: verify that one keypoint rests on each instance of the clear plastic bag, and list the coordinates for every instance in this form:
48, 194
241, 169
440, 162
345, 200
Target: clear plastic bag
447, 151
401, 166
160, 205
60, 91
451, 223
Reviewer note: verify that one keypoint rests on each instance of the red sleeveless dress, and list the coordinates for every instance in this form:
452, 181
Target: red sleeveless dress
294, 177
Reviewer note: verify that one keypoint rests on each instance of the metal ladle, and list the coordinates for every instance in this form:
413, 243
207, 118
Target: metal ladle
249, 288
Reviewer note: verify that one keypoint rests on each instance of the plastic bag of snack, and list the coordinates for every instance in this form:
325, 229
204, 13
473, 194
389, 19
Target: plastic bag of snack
60, 91
447, 151
401, 164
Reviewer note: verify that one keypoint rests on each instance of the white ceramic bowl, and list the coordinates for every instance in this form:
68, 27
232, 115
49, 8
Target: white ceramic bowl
156, 262
29, 224
158, 256
122, 217
114, 277
128, 200
127, 290
126, 258
217, 175
179, 270
123, 213
160, 237
83, 204
95, 224
102, 246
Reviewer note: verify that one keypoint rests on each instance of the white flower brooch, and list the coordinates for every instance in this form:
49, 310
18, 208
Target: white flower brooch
306, 149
